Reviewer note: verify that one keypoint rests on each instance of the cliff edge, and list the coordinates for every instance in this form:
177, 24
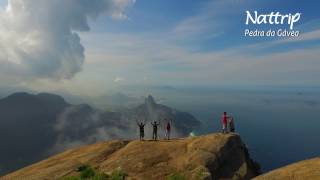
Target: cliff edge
213, 156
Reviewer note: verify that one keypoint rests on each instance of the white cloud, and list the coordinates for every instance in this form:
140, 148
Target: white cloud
303, 37
39, 39
194, 25
211, 20
138, 59
118, 79
163, 61
308, 36
132, 56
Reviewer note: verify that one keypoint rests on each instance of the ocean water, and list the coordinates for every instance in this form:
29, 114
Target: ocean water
279, 126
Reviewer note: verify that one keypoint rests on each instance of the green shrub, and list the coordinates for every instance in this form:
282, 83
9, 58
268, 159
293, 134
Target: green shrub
117, 175
87, 172
100, 176
71, 178
176, 176
201, 174
83, 167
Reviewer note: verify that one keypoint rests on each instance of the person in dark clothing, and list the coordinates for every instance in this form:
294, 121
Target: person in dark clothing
155, 130
231, 124
141, 127
168, 129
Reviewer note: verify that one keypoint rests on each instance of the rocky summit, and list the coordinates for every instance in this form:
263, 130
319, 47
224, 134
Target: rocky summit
213, 156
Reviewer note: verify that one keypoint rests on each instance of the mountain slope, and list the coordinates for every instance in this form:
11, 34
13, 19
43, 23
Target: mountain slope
304, 170
214, 156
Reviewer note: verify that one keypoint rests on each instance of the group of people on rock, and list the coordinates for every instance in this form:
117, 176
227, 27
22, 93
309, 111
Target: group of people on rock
226, 120
155, 125
227, 123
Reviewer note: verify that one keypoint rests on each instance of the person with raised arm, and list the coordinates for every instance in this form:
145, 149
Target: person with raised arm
155, 125
141, 128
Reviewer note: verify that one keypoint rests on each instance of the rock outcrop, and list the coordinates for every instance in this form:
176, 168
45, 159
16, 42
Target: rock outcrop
303, 170
214, 156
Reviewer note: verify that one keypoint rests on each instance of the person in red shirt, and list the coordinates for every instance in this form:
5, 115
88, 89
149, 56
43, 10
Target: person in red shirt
168, 129
224, 122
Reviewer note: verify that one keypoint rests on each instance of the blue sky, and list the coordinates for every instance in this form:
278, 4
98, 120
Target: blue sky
193, 43
212, 21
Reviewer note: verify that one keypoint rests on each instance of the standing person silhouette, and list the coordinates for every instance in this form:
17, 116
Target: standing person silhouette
168, 129
141, 128
224, 122
155, 130
231, 124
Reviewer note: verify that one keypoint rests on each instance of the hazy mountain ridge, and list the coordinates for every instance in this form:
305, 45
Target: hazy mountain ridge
45, 124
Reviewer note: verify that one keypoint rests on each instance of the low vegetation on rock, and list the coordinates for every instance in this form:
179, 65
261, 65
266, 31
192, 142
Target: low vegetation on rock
87, 172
